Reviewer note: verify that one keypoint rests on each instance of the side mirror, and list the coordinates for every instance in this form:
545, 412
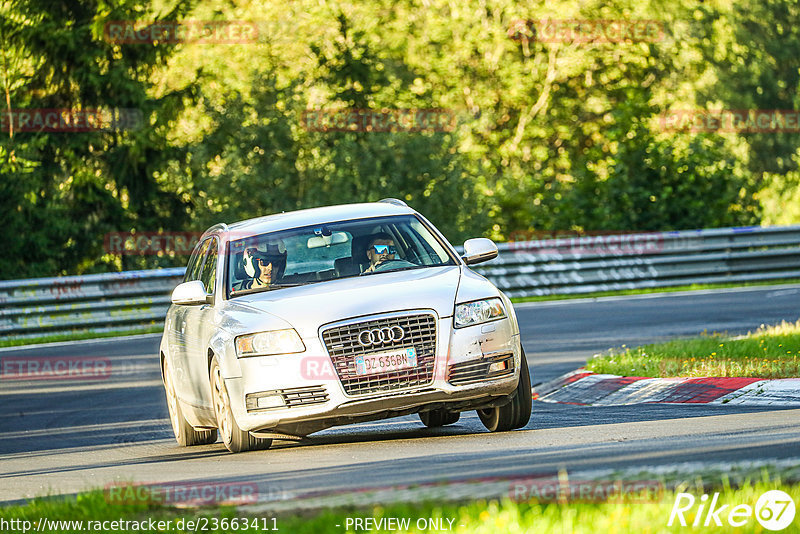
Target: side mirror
190, 294
478, 250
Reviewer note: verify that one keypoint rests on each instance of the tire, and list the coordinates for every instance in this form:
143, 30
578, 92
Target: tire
516, 413
234, 438
441, 417
185, 434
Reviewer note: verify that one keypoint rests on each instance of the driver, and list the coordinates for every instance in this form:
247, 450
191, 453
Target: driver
380, 249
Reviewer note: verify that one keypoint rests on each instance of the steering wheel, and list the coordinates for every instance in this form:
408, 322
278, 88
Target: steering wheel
381, 266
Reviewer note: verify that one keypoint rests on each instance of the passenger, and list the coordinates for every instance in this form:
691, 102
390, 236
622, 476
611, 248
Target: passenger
381, 248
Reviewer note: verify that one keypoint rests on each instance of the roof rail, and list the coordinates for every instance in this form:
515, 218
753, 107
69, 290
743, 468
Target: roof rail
219, 226
395, 201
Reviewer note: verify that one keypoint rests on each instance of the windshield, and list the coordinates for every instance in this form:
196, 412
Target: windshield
319, 253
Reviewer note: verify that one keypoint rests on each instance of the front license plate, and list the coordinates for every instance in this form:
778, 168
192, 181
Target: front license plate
384, 362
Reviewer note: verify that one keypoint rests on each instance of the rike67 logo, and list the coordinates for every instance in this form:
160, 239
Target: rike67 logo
774, 510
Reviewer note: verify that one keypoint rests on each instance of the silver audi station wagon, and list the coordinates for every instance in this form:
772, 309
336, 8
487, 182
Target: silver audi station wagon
291, 323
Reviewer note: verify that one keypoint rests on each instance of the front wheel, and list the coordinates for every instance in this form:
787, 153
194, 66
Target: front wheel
516, 413
234, 438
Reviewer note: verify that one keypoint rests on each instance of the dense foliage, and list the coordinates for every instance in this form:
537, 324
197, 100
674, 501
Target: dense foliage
547, 134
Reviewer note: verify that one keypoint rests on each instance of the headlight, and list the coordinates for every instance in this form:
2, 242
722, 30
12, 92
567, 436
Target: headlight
479, 311
273, 342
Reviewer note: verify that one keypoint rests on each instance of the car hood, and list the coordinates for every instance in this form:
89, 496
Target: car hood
308, 307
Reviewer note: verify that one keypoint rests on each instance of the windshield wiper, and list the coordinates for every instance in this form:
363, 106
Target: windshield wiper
288, 284
262, 289
398, 269
409, 268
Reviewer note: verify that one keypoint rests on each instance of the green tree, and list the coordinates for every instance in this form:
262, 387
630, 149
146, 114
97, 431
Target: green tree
260, 159
66, 190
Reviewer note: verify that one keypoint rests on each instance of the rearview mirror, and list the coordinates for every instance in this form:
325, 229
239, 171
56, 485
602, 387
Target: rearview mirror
336, 238
190, 294
478, 250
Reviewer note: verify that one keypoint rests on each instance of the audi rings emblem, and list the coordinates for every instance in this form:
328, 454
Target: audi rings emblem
380, 336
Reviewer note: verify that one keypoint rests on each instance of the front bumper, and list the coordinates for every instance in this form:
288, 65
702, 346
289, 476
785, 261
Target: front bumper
312, 396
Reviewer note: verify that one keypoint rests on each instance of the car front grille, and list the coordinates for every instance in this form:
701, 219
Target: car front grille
473, 371
343, 346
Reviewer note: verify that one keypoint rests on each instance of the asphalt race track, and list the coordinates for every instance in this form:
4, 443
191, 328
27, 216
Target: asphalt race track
68, 436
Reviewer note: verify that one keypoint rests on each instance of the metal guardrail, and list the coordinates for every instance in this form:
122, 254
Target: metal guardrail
611, 262
93, 303
572, 265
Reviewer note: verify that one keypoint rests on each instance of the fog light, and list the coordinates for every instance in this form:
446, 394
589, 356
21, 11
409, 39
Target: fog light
498, 366
270, 401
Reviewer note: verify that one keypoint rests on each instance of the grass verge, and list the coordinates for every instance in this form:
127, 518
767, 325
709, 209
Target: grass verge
648, 291
79, 335
769, 352
491, 516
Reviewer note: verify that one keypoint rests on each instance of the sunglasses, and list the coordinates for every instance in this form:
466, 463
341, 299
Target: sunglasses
384, 249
